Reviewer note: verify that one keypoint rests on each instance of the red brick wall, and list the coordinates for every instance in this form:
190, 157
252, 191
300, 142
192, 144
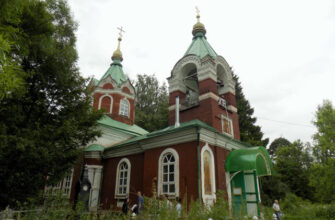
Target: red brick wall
109, 176
208, 85
115, 108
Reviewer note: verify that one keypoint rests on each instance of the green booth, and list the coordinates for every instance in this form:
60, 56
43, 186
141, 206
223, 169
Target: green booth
243, 167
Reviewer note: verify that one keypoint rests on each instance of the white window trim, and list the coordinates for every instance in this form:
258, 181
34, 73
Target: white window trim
60, 186
128, 107
207, 199
64, 184
160, 172
117, 179
111, 105
231, 125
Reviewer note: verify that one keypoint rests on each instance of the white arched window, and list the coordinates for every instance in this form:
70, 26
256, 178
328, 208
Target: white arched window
122, 179
124, 107
106, 102
168, 173
208, 175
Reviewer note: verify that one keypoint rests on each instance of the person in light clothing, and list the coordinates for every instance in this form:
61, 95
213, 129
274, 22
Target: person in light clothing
276, 208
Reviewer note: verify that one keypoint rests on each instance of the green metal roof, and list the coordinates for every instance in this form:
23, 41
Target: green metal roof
116, 72
95, 81
172, 128
254, 158
94, 147
200, 47
130, 129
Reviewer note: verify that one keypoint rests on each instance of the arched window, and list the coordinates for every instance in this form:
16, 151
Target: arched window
106, 102
122, 179
227, 125
124, 107
208, 175
168, 173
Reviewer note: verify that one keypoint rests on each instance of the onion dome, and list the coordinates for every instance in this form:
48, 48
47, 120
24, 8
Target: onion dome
117, 55
198, 27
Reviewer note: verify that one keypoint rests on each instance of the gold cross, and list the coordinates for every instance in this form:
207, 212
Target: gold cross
198, 13
197, 9
121, 30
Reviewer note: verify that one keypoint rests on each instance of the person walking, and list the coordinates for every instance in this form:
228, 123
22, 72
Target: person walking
140, 203
276, 208
178, 207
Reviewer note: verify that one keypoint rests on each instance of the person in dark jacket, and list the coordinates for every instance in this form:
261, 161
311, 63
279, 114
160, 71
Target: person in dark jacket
125, 206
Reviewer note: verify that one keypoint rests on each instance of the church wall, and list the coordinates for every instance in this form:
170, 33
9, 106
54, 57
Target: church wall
75, 179
109, 177
116, 107
188, 176
208, 85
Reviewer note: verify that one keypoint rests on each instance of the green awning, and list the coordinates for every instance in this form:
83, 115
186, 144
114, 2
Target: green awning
253, 158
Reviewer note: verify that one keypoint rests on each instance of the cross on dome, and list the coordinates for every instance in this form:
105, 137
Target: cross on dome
198, 13
121, 30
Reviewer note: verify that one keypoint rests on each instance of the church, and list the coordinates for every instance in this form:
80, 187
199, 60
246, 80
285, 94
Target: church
196, 156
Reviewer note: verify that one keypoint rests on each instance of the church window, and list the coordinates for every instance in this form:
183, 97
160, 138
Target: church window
227, 125
63, 186
124, 107
123, 179
169, 173
106, 103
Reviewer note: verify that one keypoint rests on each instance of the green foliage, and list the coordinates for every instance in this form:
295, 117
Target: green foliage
322, 175
325, 136
42, 125
249, 131
276, 143
322, 178
272, 188
293, 164
10, 71
152, 102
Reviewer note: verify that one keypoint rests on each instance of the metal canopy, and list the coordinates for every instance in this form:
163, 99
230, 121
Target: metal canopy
253, 158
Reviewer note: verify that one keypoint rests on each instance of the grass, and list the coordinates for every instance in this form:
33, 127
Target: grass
57, 207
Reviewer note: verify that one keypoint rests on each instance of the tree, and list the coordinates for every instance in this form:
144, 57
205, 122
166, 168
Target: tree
10, 70
325, 136
293, 163
322, 176
152, 101
278, 142
43, 124
249, 131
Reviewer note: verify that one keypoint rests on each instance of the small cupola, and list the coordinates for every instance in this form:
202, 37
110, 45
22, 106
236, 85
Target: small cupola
114, 92
199, 28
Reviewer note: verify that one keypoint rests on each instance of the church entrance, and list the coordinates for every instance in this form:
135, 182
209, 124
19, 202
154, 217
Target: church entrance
243, 168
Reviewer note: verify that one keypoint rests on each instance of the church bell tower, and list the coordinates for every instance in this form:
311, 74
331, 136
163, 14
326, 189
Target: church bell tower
203, 82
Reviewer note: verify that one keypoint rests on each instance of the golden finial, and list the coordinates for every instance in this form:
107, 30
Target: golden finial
117, 55
198, 27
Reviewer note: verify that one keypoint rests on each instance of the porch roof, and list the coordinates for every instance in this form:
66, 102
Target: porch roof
253, 158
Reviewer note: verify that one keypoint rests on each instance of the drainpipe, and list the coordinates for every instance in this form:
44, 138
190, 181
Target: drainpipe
198, 159
177, 124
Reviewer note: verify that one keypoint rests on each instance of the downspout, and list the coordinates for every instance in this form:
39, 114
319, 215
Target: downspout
198, 160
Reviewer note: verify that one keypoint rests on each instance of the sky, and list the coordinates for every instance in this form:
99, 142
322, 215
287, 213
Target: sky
283, 51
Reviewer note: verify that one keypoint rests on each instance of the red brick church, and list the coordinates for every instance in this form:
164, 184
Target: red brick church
199, 154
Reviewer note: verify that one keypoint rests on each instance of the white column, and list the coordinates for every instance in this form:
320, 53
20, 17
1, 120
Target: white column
94, 176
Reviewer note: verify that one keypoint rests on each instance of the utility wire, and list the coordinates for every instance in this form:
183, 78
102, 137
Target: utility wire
285, 122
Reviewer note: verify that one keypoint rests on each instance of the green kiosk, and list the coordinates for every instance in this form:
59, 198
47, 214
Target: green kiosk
243, 167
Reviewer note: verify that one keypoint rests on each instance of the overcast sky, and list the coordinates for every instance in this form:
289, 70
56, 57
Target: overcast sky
283, 51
